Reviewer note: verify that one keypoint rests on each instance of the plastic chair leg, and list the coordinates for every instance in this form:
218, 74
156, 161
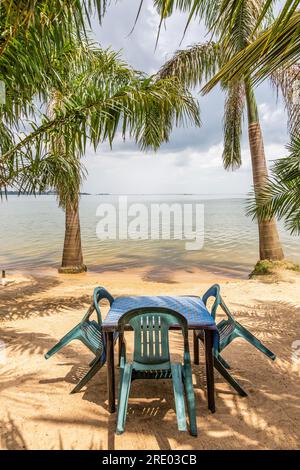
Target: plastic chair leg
179, 396
89, 375
223, 362
196, 348
122, 361
123, 398
244, 333
122, 345
229, 378
93, 361
73, 334
190, 398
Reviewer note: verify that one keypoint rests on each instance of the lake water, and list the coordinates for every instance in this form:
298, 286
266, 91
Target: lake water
32, 233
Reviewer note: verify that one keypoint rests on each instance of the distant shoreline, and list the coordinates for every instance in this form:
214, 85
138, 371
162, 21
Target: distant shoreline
52, 193
47, 193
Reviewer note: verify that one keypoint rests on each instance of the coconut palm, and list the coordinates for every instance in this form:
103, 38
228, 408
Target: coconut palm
94, 96
202, 61
281, 194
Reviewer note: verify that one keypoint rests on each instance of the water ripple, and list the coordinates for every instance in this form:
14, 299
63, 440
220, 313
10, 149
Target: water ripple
32, 233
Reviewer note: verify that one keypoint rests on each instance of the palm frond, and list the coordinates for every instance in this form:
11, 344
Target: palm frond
274, 48
108, 96
194, 64
32, 34
281, 195
195, 8
232, 122
288, 9
61, 172
59, 15
222, 16
43, 46
287, 79
238, 21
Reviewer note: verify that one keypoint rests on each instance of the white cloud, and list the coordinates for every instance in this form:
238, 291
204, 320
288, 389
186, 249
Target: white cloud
185, 171
271, 114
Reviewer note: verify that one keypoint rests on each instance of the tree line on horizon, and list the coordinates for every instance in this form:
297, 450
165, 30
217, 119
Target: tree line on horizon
64, 91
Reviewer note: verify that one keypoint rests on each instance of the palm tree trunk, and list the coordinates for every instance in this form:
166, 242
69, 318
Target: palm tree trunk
72, 259
269, 243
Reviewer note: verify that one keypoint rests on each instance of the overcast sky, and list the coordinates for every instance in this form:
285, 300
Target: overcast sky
191, 162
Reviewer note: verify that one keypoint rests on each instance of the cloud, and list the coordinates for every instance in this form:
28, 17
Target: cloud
271, 115
185, 171
139, 46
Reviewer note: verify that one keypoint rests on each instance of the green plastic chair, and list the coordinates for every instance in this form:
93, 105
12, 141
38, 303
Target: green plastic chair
90, 333
151, 360
229, 329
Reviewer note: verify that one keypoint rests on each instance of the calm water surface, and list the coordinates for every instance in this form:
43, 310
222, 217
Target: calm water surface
32, 232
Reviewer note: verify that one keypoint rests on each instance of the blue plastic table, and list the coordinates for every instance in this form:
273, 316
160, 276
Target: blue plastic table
191, 307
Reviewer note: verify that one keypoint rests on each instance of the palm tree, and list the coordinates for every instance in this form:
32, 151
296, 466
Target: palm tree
43, 54
202, 61
93, 96
34, 34
281, 194
68, 184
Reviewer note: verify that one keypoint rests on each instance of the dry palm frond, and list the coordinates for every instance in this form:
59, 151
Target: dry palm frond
233, 118
287, 79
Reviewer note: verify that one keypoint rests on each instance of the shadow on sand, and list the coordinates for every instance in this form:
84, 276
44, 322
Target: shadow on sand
267, 418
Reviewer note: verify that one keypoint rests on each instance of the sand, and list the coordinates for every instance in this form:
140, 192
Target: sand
37, 411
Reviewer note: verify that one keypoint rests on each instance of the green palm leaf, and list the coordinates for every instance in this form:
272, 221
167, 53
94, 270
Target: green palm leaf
274, 49
194, 64
281, 195
99, 94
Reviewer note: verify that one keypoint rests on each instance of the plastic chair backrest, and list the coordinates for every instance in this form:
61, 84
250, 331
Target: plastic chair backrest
99, 293
214, 291
151, 333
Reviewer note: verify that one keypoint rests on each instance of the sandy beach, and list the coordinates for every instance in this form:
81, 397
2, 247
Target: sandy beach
37, 411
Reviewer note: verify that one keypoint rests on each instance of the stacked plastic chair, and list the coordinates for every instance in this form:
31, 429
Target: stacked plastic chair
90, 333
229, 329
